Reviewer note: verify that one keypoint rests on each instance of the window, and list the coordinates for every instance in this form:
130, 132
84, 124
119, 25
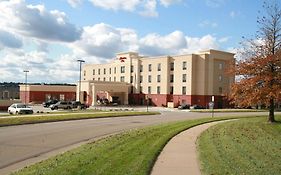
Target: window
104, 79
109, 70
84, 73
184, 90
109, 78
220, 78
61, 97
184, 65
114, 78
220, 66
93, 71
149, 67
132, 68
122, 79
99, 71
104, 71
132, 89
149, 89
149, 78
140, 89
99, 79
115, 70
171, 90
159, 67
172, 66
141, 79
158, 89
122, 69
183, 77
220, 90
171, 78
158, 78
93, 78
132, 79
141, 68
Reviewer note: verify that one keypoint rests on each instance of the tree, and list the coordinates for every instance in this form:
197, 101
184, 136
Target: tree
259, 73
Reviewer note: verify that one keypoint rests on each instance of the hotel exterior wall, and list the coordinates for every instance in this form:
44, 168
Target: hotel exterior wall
204, 73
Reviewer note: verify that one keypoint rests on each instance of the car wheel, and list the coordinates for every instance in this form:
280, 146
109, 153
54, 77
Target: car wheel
10, 112
17, 112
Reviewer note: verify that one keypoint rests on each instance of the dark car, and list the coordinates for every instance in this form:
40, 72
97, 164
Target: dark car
78, 104
196, 107
49, 102
184, 106
61, 105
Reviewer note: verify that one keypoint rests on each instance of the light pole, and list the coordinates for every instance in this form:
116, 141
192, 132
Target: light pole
25, 71
80, 62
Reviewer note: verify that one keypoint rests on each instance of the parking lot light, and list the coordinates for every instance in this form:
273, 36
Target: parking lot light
80, 62
25, 93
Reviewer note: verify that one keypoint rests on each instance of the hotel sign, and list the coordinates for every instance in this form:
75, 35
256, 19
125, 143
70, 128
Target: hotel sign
122, 59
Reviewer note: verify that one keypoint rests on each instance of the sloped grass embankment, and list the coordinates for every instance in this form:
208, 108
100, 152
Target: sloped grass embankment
246, 146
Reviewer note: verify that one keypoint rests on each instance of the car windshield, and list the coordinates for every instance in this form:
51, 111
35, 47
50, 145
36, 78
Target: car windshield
22, 106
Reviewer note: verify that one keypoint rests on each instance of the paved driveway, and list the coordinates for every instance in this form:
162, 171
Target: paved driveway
25, 144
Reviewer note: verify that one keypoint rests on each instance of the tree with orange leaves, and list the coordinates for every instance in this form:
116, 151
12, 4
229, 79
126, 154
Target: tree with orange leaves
259, 73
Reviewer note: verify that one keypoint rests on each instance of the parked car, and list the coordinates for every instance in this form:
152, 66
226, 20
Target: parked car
49, 102
78, 104
184, 106
20, 108
103, 101
61, 105
196, 107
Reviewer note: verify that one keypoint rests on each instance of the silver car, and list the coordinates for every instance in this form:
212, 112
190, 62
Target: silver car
20, 108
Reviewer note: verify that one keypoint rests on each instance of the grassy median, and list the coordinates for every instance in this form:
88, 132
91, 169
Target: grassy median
20, 120
132, 152
227, 110
248, 146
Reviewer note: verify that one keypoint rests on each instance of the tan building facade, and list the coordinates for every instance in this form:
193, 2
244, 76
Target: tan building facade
191, 79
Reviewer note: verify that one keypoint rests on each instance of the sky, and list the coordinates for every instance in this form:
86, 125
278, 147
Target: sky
46, 37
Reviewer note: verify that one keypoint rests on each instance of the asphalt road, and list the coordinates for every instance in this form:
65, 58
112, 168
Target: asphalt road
26, 144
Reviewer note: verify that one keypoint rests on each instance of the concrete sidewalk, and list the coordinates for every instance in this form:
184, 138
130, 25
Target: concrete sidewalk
179, 156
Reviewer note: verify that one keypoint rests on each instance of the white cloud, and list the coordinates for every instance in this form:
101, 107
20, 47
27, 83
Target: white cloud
224, 39
234, 14
207, 23
147, 8
116, 4
35, 21
104, 41
74, 3
215, 3
198, 44
154, 44
150, 9
167, 3
8, 39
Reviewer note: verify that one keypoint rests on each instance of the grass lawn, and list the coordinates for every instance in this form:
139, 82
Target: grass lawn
132, 152
229, 110
19, 120
246, 146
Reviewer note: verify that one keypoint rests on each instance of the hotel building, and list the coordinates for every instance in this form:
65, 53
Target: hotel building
160, 81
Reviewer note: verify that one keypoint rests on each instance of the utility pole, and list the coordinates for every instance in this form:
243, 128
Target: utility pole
80, 62
25, 93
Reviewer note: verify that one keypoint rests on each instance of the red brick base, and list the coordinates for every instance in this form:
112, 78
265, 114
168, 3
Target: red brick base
162, 100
